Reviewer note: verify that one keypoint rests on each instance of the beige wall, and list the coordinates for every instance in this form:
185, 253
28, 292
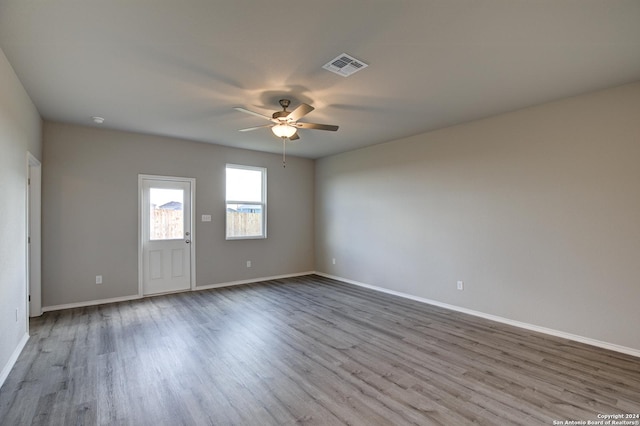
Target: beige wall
20, 131
90, 208
538, 211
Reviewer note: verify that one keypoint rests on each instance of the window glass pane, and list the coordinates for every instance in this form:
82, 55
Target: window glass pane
244, 185
246, 202
167, 215
244, 220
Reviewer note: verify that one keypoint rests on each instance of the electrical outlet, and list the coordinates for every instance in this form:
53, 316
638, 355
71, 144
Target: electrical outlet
98, 279
460, 285
248, 264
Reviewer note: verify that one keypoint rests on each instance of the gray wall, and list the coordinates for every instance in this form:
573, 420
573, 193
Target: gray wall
90, 208
538, 211
20, 131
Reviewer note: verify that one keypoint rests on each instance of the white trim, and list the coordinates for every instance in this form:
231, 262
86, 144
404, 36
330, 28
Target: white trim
519, 324
90, 303
193, 233
253, 280
12, 360
140, 254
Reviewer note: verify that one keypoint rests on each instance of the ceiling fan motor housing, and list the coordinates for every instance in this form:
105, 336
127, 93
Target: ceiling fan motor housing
284, 103
279, 115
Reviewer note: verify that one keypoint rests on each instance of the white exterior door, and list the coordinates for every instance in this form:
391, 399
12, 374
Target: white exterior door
165, 234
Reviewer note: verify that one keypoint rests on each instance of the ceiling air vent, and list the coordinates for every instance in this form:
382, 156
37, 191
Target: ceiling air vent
344, 65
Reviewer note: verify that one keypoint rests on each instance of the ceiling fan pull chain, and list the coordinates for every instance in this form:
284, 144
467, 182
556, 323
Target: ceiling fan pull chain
284, 149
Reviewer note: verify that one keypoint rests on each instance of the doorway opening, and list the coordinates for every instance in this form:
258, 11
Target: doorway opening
34, 248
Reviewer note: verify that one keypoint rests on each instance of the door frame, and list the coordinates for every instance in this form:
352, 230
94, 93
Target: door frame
34, 238
192, 246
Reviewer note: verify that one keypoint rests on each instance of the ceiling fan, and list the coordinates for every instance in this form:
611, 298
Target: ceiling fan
285, 124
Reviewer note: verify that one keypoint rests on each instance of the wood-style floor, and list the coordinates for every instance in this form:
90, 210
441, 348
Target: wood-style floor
304, 350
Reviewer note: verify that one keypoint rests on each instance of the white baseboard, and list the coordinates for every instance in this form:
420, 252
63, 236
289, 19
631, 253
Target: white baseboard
524, 325
89, 303
12, 360
252, 280
135, 296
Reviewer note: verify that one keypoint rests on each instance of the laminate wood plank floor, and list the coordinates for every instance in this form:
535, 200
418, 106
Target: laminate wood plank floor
306, 350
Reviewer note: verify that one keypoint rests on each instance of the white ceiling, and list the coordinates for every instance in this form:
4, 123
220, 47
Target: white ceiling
178, 68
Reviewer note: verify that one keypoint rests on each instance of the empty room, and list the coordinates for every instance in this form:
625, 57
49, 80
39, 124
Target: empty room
320, 212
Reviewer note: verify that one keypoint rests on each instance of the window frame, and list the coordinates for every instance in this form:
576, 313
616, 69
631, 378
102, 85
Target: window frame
262, 203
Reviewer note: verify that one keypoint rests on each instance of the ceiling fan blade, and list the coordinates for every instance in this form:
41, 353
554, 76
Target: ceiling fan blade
248, 129
294, 137
257, 114
317, 126
300, 112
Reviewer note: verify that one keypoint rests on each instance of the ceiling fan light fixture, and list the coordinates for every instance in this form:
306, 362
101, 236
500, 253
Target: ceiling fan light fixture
283, 130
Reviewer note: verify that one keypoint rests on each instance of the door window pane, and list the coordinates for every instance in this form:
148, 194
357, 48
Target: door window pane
167, 214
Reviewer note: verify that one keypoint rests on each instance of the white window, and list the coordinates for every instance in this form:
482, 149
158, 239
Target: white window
246, 202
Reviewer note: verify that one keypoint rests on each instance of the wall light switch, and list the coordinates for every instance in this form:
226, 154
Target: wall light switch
206, 218
460, 285
98, 279
248, 264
